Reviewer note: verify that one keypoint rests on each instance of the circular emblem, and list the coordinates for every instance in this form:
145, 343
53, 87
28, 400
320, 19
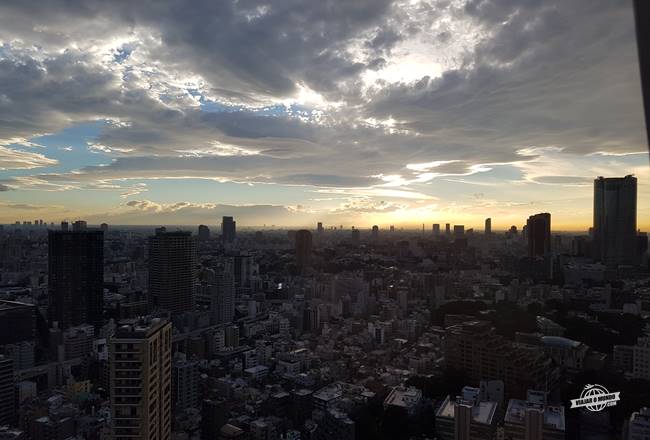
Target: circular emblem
593, 392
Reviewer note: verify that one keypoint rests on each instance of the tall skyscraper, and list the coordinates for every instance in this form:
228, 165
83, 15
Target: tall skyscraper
319, 228
140, 380
172, 266
76, 277
615, 219
79, 225
303, 248
355, 236
447, 229
228, 229
222, 297
459, 230
436, 229
375, 232
7, 399
538, 232
488, 226
204, 233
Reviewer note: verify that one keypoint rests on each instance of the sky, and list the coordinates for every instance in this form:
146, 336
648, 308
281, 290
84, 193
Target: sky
289, 112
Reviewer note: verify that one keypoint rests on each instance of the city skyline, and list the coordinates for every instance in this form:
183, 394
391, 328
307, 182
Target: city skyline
397, 113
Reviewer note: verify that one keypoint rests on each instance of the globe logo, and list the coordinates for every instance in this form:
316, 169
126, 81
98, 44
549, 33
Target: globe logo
595, 398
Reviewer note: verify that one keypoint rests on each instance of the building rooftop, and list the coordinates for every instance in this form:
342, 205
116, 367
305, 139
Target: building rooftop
403, 397
553, 415
482, 412
138, 328
560, 342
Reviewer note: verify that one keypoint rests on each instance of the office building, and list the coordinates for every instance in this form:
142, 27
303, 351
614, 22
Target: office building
79, 225
17, 322
222, 297
374, 234
140, 380
459, 231
467, 417
104, 227
410, 400
243, 269
319, 228
303, 249
447, 229
436, 229
228, 229
538, 233
185, 383
488, 226
172, 261
641, 358
614, 229
204, 233
533, 419
355, 237
7, 398
76, 277
638, 427
475, 348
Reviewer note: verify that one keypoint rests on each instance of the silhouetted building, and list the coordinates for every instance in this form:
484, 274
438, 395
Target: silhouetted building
459, 230
76, 277
17, 322
475, 348
172, 261
204, 233
615, 219
303, 248
436, 229
7, 398
228, 229
104, 227
447, 229
319, 228
488, 226
375, 232
538, 232
222, 298
79, 225
140, 380
355, 237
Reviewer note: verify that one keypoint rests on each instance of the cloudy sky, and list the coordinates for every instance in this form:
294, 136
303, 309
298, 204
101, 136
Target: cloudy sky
289, 112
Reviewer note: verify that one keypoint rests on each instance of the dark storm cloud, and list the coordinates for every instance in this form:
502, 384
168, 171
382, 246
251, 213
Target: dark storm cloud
549, 73
243, 47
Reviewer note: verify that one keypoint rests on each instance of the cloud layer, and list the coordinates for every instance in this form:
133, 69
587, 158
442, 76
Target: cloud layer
382, 103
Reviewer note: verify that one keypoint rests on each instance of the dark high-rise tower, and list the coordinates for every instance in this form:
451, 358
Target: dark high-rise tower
140, 380
436, 229
615, 219
228, 229
488, 226
7, 386
172, 265
538, 232
303, 248
204, 233
76, 277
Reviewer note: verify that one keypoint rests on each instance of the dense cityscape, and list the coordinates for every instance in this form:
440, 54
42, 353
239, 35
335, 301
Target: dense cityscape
326, 333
